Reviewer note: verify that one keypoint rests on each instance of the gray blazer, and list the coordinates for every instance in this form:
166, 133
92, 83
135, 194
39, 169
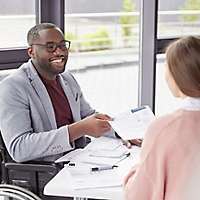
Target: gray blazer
27, 119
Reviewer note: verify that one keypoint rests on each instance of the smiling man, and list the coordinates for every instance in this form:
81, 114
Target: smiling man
43, 111
48, 50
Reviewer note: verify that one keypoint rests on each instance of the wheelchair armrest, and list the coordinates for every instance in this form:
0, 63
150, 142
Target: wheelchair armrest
33, 167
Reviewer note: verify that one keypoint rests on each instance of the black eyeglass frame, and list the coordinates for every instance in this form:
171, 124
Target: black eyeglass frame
59, 44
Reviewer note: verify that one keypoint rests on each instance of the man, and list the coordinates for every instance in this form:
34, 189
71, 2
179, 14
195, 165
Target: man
43, 112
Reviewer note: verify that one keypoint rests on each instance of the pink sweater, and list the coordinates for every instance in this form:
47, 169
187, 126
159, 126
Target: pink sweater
170, 160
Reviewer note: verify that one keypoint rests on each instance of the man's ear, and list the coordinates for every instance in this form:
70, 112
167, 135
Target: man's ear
30, 52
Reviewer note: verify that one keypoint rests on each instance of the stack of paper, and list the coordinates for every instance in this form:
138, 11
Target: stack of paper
108, 154
83, 178
97, 158
84, 161
118, 153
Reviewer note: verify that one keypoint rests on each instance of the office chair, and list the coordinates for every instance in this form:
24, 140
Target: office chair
16, 193
29, 175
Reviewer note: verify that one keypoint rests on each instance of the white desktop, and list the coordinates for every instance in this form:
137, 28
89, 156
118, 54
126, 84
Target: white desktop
103, 184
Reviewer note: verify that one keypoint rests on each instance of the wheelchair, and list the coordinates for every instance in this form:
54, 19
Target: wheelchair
14, 192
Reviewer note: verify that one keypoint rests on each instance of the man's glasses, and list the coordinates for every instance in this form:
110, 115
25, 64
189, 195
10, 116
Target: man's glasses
64, 45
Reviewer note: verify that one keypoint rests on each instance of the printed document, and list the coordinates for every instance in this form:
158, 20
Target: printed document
84, 178
133, 123
104, 162
110, 152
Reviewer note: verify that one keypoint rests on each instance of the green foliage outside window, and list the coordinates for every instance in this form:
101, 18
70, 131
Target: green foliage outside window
96, 41
72, 37
191, 5
128, 6
90, 42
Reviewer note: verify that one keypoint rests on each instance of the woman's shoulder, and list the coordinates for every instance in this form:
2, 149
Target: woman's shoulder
178, 119
165, 121
174, 129
166, 127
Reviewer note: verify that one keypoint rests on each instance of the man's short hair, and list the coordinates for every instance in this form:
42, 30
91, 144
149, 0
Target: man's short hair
33, 33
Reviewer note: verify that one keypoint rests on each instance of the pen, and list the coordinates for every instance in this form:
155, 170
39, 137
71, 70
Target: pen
126, 155
71, 164
94, 169
137, 109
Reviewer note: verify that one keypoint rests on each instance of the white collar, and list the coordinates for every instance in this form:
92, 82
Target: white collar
190, 103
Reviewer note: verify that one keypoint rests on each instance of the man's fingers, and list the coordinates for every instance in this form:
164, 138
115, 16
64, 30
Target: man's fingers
127, 143
103, 117
137, 142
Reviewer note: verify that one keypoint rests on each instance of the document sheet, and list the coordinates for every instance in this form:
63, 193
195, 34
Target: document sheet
132, 124
84, 178
103, 163
110, 152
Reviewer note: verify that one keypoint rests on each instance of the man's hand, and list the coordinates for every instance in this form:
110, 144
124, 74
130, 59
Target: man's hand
137, 142
129, 143
95, 125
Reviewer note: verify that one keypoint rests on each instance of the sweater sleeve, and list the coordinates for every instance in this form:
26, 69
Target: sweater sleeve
148, 181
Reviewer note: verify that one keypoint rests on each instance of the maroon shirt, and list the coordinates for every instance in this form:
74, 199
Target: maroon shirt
63, 113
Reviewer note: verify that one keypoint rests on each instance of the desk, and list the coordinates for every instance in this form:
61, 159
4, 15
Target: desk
61, 184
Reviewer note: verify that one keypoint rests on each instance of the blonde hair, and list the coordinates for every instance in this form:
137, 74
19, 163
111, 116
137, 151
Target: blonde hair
183, 59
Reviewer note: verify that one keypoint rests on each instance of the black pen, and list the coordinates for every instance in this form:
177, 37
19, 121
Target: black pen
124, 157
94, 169
127, 154
72, 164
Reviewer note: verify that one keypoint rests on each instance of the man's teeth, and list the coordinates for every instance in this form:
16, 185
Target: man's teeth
56, 61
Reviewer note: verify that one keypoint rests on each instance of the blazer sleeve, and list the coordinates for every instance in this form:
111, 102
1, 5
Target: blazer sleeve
19, 114
85, 108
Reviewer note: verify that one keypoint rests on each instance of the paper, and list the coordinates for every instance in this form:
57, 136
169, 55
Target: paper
107, 143
70, 156
84, 179
133, 123
81, 163
84, 156
110, 152
118, 153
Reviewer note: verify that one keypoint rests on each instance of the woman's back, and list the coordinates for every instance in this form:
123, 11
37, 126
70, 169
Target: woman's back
170, 160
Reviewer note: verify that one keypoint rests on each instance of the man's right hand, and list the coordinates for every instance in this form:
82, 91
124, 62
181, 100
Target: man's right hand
95, 125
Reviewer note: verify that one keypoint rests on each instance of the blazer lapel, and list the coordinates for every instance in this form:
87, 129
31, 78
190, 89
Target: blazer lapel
43, 95
71, 99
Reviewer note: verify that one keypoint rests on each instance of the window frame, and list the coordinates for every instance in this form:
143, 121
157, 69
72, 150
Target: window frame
46, 11
150, 46
54, 12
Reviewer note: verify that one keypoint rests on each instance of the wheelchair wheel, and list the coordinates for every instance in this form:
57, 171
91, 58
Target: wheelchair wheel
14, 192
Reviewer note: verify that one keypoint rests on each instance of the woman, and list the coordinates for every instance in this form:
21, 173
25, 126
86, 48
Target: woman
169, 167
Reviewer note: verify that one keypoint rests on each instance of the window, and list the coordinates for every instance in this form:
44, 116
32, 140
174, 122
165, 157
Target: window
16, 18
164, 100
174, 20
104, 53
178, 19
